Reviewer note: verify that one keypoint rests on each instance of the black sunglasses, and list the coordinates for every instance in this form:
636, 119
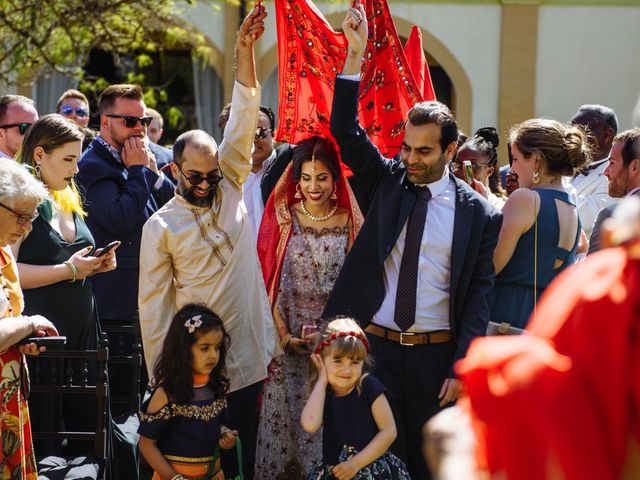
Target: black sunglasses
67, 111
23, 127
196, 179
131, 122
22, 217
262, 132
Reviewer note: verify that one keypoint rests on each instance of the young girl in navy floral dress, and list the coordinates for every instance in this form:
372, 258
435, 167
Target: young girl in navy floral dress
352, 408
181, 428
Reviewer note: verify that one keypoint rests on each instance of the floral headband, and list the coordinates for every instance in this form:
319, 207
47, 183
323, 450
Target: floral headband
334, 335
193, 323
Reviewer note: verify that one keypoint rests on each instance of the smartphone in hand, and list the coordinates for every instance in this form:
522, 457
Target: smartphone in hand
108, 248
467, 168
48, 342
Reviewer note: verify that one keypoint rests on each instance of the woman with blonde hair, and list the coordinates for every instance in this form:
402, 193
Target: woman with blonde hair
58, 255
541, 229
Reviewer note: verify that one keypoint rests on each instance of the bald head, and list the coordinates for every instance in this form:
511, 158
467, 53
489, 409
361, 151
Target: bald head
196, 141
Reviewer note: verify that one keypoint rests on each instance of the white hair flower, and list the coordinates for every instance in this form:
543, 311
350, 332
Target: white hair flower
193, 323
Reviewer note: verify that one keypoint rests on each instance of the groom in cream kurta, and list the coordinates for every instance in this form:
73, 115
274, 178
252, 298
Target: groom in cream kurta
204, 251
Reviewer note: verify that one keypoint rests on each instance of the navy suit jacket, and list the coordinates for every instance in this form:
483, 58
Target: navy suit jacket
389, 197
118, 201
164, 155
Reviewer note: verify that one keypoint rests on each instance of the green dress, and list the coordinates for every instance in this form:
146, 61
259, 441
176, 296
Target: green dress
71, 308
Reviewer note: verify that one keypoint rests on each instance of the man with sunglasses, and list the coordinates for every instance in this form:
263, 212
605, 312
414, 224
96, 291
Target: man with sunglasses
74, 105
200, 247
123, 188
17, 114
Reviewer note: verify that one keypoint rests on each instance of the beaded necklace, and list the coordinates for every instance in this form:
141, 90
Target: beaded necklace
313, 218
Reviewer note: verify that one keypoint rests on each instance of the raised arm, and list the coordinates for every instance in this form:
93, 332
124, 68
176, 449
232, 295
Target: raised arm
356, 30
235, 151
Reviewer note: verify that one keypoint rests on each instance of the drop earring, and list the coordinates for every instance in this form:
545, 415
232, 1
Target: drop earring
535, 178
37, 169
333, 195
298, 195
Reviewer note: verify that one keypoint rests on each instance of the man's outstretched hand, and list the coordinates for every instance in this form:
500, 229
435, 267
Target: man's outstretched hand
252, 26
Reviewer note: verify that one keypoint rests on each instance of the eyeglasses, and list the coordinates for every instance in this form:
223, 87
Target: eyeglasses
22, 217
196, 179
455, 166
67, 111
131, 122
23, 127
262, 132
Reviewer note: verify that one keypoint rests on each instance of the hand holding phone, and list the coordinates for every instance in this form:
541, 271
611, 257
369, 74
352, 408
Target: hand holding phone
467, 168
103, 251
48, 342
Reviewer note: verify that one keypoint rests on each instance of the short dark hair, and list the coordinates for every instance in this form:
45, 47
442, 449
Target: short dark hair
71, 93
631, 147
438, 113
269, 113
598, 114
6, 100
110, 94
317, 148
198, 138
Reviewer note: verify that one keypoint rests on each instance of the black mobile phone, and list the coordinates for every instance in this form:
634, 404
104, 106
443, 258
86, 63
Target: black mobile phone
108, 248
45, 341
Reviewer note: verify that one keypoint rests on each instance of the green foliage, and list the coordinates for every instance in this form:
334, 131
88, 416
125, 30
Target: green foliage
173, 116
41, 36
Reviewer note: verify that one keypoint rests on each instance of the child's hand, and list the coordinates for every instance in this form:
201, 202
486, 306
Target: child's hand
346, 470
317, 360
228, 439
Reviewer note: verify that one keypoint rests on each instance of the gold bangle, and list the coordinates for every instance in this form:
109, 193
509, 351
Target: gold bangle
74, 270
284, 341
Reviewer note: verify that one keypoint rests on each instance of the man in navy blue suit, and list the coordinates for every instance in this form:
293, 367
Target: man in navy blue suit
419, 274
122, 189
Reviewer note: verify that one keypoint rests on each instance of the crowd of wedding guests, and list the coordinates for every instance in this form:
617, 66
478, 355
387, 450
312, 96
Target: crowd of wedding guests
232, 256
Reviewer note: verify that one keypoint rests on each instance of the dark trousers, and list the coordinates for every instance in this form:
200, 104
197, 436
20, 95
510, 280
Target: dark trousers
242, 408
413, 376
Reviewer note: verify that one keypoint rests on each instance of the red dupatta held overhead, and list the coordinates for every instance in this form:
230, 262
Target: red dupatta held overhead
276, 226
311, 54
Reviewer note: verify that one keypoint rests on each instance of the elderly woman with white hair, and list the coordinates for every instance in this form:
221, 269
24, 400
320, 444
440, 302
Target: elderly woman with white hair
20, 195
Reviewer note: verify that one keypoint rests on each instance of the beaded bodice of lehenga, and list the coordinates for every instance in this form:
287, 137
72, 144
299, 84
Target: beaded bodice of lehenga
310, 267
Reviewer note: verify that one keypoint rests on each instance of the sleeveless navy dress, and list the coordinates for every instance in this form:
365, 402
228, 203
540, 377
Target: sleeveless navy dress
512, 298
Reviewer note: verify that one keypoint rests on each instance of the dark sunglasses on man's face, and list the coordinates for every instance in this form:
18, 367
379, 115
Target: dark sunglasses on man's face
212, 178
262, 132
22, 127
79, 111
131, 122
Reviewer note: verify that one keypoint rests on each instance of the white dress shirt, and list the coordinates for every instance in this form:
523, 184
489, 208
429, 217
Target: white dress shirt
434, 264
4, 155
252, 194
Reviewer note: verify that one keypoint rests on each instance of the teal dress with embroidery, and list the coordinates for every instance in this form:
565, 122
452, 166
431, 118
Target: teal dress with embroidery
513, 296
187, 433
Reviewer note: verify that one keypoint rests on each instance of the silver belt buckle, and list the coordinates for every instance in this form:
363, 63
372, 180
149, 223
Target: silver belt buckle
408, 334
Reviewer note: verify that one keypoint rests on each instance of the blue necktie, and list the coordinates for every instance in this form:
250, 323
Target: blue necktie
405, 311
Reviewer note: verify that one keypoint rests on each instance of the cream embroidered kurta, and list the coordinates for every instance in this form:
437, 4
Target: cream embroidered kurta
195, 254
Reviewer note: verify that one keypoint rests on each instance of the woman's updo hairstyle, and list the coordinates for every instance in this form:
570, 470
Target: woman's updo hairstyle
319, 149
563, 149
